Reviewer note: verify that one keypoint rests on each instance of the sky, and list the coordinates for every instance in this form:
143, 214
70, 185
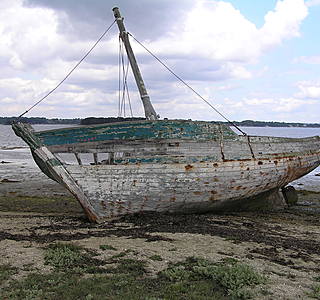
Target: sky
252, 60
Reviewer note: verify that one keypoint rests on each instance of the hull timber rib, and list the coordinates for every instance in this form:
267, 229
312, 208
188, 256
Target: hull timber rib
173, 166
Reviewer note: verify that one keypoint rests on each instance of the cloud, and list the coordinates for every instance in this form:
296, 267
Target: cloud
219, 34
309, 89
283, 22
218, 31
28, 36
289, 105
313, 60
287, 109
82, 20
204, 41
312, 3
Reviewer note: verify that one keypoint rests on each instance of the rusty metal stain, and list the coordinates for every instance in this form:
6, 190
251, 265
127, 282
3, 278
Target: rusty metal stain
197, 193
188, 167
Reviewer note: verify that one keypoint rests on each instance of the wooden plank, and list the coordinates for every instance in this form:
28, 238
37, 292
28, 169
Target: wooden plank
68, 181
118, 190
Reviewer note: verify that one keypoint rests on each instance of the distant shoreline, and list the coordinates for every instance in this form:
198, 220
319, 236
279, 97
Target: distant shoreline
94, 120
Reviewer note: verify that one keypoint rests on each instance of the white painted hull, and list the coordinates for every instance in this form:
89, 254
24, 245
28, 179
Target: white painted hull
179, 173
118, 190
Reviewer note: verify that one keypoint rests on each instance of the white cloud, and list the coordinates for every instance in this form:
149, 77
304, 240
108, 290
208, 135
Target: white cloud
218, 32
283, 22
213, 38
312, 3
28, 36
309, 89
313, 60
259, 101
287, 109
289, 105
227, 87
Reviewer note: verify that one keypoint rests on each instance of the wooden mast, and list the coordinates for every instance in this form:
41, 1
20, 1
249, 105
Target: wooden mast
149, 111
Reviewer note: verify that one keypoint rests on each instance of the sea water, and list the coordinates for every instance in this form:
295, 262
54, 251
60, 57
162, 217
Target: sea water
14, 149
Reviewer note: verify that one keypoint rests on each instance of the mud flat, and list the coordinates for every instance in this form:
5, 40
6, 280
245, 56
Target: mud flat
36, 214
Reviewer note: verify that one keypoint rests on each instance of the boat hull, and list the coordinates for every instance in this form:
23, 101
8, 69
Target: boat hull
198, 187
174, 173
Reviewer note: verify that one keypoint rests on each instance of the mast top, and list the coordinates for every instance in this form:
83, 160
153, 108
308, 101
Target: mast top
149, 111
116, 12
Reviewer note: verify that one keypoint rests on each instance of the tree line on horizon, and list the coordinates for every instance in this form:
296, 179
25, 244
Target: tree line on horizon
100, 120
38, 120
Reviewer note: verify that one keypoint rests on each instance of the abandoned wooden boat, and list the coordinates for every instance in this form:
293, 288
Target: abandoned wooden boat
165, 165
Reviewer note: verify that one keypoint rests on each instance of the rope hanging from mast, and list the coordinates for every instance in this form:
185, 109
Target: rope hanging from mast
149, 110
123, 83
70, 72
187, 85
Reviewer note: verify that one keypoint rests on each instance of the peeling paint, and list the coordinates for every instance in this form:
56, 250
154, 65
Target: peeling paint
175, 165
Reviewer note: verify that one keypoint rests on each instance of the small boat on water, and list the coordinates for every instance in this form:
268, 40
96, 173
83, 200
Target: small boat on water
157, 165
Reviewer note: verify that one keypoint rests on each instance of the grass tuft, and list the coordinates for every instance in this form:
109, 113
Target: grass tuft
72, 258
6, 271
235, 278
156, 257
315, 291
194, 279
131, 267
107, 247
38, 286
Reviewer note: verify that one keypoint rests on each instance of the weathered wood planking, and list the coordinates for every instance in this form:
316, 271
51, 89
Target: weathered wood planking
122, 189
136, 130
167, 165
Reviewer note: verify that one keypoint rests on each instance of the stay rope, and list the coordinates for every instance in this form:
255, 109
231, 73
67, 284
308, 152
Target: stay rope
65, 78
123, 90
187, 85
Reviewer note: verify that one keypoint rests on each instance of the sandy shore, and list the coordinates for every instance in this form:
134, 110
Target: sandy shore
284, 245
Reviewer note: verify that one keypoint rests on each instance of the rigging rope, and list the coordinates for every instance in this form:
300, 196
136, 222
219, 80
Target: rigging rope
123, 103
187, 85
127, 89
119, 78
64, 79
124, 89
